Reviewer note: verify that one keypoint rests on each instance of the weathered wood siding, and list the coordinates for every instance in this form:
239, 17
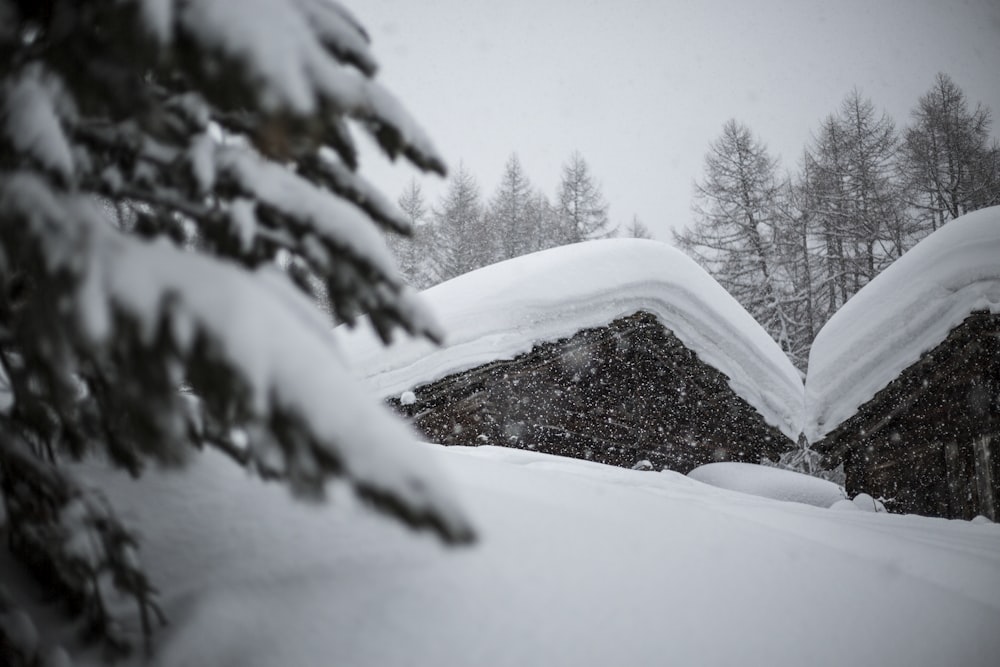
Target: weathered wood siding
616, 394
928, 443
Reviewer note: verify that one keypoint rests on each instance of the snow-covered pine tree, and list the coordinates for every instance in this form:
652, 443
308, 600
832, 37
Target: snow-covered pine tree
543, 221
637, 229
173, 176
881, 232
854, 200
824, 198
507, 213
583, 213
465, 243
950, 164
735, 232
414, 253
796, 248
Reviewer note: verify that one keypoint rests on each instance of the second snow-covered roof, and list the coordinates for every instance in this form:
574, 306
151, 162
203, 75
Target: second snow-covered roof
503, 310
905, 311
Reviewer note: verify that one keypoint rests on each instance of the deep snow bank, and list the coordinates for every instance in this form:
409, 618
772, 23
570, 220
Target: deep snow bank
580, 564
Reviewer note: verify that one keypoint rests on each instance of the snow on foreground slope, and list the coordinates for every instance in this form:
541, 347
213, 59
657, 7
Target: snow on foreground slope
905, 311
580, 564
501, 311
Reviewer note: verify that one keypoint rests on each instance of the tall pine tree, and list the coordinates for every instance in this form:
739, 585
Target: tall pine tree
797, 252
175, 177
854, 201
509, 215
874, 216
949, 161
736, 226
583, 213
465, 241
544, 223
415, 253
637, 229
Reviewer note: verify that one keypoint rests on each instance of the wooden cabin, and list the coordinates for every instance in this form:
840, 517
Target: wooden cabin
903, 385
617, 351
618, 394
929, 442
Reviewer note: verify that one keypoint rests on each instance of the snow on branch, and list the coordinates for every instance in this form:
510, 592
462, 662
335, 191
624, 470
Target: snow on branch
250, 208
72, 540
329, 217
329, 227
357, 190
300, 59
311, 421
340, 33
29, 120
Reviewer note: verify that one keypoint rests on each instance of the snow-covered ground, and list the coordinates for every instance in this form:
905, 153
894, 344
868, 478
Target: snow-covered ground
502, 310
907, 310
579, 564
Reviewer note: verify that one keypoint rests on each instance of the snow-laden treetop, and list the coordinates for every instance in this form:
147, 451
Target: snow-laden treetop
904, 312
176, 178
502, 310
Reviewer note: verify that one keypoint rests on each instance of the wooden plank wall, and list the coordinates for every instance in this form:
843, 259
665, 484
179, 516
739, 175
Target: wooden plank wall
928, 442
616, 394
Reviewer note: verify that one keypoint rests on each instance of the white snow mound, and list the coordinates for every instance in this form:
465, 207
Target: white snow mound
904, 312
503, 310
768, 482
580, 564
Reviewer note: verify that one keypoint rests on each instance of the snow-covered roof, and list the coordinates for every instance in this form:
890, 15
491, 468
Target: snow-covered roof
503, 310
904, 312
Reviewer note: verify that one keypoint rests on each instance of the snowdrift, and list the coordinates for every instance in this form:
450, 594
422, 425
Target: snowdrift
904, 312
580, 564
503, 310
767, 482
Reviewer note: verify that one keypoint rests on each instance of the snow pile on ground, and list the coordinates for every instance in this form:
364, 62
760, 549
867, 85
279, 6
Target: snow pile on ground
579, 564
502, 310
860, 503
768, 482
905, 311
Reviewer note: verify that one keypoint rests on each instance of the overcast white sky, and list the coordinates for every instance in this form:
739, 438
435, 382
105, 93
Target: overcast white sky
641, 87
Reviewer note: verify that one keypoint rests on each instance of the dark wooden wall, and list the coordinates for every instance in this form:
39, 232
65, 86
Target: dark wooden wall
929, 443
616, 394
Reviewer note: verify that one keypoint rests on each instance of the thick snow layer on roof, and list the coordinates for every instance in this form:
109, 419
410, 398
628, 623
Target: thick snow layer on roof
905, 311
502, 310
579, 564
768, 482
